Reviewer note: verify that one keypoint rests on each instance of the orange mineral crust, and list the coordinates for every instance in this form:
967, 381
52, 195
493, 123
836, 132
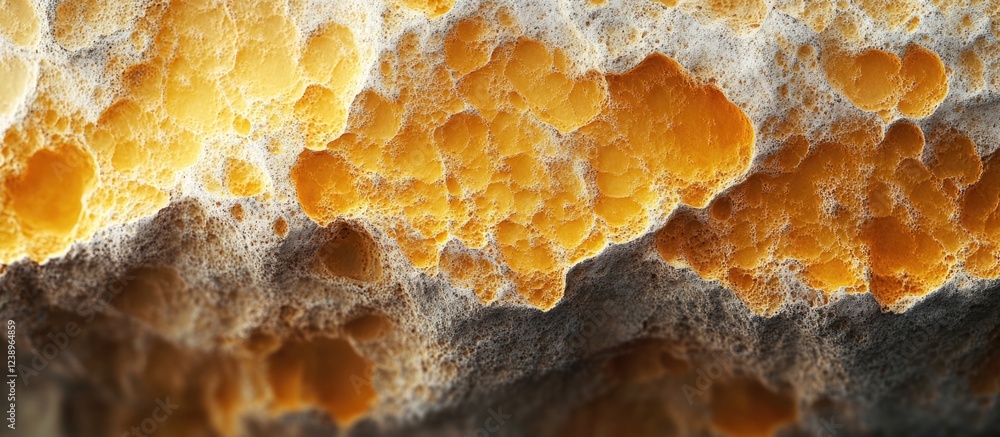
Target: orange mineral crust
528, 165
858, 212
493, 157
505, 147
204, 72
875, 80
256, 218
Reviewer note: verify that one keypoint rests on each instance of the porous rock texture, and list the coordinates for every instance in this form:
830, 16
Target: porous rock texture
405, 217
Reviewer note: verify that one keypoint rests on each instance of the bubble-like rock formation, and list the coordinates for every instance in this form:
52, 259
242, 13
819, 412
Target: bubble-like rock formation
440, 217
854, 214
878, 81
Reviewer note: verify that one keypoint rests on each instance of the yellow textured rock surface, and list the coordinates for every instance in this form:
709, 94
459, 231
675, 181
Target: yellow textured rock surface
859, 213
243, 179
18, 79
345, 207
972, 68
742, 16
43, 207
877, 81
210, 70
79, 23
924, 78
431, 8
892, 13
495, 180
496, 159
19, 22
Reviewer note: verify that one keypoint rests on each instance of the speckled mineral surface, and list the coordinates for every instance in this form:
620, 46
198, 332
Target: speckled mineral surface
500, 218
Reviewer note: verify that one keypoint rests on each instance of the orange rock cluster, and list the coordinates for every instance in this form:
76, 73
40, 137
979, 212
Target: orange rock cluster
207, 70
876, 80
530, 165
499, 163
857, 212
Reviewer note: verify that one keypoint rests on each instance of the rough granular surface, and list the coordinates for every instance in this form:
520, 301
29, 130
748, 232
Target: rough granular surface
501, 218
